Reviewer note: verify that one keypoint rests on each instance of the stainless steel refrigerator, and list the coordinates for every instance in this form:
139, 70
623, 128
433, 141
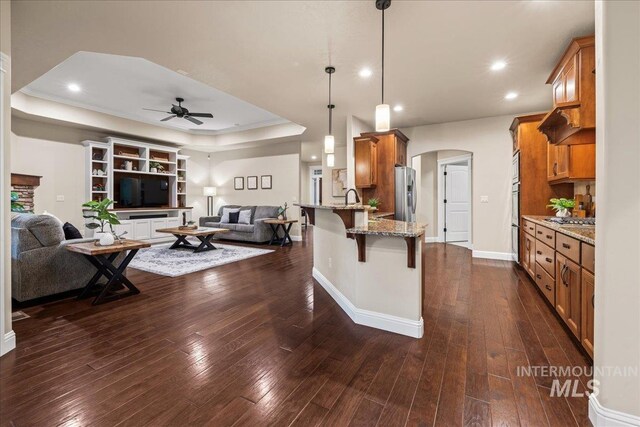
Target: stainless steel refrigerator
405, 180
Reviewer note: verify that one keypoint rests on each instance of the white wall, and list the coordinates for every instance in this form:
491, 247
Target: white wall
617, 282
489, 141
282, 162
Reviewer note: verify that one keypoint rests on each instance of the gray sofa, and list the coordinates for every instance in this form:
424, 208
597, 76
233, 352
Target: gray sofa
40, 264
256, 232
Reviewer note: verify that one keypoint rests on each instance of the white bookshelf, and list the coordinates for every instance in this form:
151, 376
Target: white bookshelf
98, 172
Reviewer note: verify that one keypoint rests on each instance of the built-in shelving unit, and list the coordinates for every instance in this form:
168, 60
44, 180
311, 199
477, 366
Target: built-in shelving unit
114, 159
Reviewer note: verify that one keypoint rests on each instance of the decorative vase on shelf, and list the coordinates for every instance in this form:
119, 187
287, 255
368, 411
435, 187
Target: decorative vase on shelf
563, 213
153, 170
107, 239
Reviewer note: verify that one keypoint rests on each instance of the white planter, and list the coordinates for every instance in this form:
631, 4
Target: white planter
563, 213
105, 239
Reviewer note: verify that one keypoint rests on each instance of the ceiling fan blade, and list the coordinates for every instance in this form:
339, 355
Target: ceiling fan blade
206, 115
159, 111
168, 118
192, 120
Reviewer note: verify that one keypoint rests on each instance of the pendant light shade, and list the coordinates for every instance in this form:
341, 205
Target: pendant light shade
383, 118
383, 112
331, 160
329, 144
329, 140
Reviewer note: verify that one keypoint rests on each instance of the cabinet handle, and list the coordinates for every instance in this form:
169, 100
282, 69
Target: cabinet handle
549, 236
539, 252
555, 168
548, 287
539, 232
538, 276
548, 259
566, 246
564, 270
528, 244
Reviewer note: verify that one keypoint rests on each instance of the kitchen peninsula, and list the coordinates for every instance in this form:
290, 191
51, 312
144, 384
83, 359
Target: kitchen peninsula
373, 269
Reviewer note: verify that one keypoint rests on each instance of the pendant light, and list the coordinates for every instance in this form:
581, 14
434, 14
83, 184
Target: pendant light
329, 141
383, 112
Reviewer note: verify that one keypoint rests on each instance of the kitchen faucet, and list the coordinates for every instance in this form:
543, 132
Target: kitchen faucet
346, 196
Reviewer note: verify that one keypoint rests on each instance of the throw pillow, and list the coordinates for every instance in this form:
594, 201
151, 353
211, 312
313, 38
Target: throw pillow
233, 217
71, 232
245, 217
225, 214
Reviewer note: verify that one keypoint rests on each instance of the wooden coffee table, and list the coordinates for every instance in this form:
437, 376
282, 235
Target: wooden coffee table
285, 225
102, 257
204, 234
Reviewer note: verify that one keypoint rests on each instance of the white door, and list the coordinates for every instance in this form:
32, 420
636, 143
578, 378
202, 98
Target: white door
457, 205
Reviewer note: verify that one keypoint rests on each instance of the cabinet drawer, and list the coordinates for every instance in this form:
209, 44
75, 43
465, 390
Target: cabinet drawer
545, 256
568, 246
546, 283
588, 257
529, 227
546, 235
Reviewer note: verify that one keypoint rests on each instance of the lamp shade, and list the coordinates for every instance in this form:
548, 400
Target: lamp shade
209, 191
331, 160
383, 118
329, 144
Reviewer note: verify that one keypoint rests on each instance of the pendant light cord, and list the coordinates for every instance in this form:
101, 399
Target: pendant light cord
330, 106
382, 56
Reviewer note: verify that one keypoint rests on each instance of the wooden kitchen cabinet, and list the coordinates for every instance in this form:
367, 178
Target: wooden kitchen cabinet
571, 163
568, 293
588, 306
565, 85
366, 161
529, 254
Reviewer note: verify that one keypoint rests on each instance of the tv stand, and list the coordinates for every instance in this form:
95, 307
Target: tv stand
142, 223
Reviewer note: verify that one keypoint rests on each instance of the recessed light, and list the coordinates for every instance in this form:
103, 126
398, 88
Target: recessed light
314, 157
498, 65
398, 108
511, 95
73, 87
365, 72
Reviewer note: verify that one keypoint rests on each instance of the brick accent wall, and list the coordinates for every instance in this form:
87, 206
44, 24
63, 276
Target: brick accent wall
26, 196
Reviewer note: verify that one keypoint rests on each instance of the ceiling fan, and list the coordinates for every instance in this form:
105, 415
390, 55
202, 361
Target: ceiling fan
181, 112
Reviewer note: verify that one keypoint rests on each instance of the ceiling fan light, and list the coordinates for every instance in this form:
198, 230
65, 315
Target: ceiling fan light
383, 117
331, 160
329, 144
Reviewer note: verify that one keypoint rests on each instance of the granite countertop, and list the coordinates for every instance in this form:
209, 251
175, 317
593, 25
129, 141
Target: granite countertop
378, 214
584, 233
358, 207
391, 228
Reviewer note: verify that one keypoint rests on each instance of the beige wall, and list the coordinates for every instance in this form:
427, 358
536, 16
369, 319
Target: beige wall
5, 178
489, 141
282, 162
617, 298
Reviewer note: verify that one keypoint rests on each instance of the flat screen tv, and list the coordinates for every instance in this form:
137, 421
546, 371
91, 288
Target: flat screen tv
144, 192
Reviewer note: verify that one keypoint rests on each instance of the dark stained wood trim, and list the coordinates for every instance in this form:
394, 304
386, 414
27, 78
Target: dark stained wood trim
411, 251
21, 179
395, 132
361, 241
348, 217
311, 215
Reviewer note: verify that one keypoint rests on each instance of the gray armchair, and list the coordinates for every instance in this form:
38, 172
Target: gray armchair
257, 231
40, 264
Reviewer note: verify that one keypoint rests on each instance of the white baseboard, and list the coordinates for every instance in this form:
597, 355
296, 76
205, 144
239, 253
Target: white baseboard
603, 417
503, 256
296, 238
431, 239
8, 342
386, 322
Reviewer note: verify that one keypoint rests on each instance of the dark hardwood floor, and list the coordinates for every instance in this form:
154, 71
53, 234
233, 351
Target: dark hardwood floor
258, 342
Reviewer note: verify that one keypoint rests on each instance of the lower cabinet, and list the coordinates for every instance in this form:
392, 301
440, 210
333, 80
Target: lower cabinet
588, 305
145, 229
568, 293
124, 227
142, 229
546, 284
529, 254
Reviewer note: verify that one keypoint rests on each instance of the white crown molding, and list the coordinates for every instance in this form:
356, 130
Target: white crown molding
604, 417
386, 322
503, 256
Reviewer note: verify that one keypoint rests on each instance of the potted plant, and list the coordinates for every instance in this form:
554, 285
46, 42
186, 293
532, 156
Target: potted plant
155, 167
15, 205
374, 203
562, 206
282, 211
98, 213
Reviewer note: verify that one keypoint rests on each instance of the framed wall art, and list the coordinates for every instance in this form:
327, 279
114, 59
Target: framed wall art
252, 183
238, 183
266, 182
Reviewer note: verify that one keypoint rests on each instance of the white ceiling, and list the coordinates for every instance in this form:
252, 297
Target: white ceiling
272, 54
123, 86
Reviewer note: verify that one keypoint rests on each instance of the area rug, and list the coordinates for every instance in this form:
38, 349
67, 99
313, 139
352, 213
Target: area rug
177, 262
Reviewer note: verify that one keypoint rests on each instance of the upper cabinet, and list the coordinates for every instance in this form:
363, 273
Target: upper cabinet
572, 120
366, 160
571, 163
